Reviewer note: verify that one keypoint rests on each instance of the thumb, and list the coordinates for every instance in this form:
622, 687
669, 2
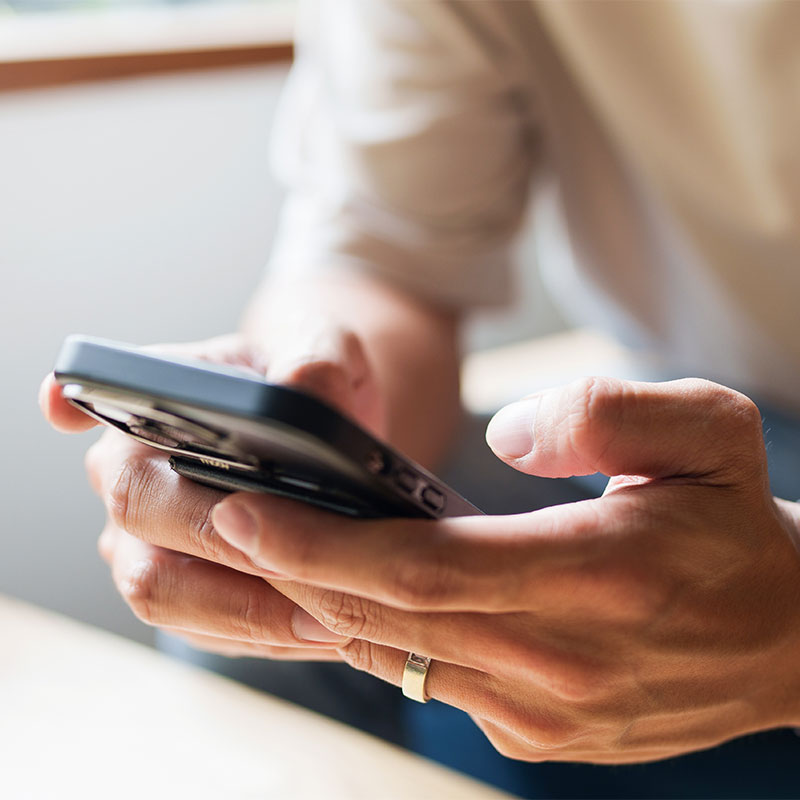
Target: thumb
686, 427
330, 363
57, 410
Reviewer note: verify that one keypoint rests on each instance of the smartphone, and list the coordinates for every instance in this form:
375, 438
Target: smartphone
228, 429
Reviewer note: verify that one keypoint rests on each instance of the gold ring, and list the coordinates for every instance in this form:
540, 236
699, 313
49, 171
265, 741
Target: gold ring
415, 674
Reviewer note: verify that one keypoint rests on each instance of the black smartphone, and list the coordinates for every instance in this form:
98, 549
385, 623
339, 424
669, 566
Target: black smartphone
231, 430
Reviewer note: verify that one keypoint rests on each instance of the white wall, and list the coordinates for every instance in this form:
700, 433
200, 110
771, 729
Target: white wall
140, 210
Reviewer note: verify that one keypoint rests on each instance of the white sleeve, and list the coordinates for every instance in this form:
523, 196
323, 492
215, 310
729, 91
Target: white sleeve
405, 138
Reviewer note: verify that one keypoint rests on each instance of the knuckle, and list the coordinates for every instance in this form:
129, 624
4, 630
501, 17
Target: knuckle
346, 614
744, 412
738, 423
361, 655
323, 377
594, 416
118, 499
126, 490
524, 735
544, 733
140, 587
598, 399
421, 581
203, 538
249, 620
735, 408
508, 745
578, 681
552, 736
577, 685
573, 679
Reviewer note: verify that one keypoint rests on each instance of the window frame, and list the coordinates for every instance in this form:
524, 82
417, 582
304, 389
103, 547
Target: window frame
40, 50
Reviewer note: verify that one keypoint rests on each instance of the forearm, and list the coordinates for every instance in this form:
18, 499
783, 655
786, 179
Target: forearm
412, 347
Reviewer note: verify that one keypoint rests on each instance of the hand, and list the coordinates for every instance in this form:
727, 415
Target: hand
178, 574
360, 346
661, 618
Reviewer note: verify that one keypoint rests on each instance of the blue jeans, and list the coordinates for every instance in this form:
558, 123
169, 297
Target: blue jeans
765, 765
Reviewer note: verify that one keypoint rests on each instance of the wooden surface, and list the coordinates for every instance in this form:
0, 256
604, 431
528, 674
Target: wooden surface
61, 48
85, 714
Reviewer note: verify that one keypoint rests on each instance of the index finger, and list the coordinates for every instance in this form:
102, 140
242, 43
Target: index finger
59, 412
486, 564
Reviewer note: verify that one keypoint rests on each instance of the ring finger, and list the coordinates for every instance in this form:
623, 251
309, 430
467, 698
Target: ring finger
510, 646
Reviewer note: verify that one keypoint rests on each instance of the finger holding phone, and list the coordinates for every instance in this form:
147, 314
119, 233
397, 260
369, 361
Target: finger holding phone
167, 560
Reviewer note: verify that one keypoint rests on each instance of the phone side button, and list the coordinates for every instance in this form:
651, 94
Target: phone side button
407, 481
433, 498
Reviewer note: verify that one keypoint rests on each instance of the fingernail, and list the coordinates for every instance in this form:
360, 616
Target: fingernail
308, 629
510, 431
236, 525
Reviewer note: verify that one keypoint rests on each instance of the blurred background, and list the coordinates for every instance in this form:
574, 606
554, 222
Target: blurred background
136, 203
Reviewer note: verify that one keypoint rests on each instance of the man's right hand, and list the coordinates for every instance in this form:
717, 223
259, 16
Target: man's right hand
166, 559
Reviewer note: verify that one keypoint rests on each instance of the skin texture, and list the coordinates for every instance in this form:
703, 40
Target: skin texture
661, 618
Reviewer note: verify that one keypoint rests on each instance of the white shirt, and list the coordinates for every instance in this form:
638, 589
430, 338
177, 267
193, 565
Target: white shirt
662, 138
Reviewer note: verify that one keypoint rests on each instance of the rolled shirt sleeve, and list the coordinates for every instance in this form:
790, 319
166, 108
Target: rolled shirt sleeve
406, 138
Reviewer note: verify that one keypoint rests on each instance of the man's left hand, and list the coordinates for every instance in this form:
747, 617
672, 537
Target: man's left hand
660, 618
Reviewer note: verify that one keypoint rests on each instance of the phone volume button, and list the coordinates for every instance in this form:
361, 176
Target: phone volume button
433, 498
407, 481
